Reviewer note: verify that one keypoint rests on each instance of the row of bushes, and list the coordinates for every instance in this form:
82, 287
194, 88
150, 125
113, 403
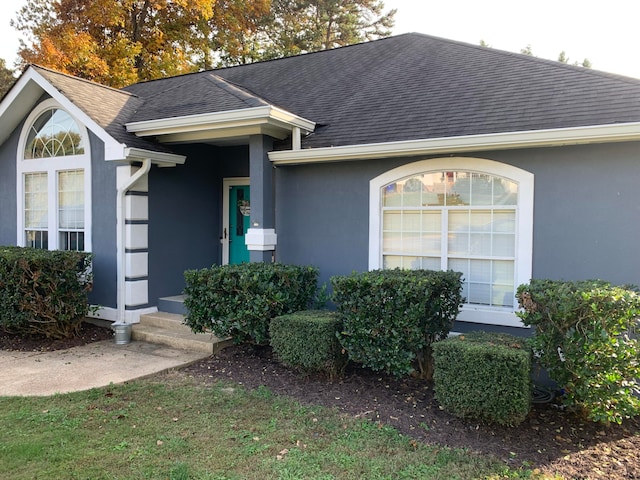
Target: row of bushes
585, 332
479, 376
391, 320
43, 292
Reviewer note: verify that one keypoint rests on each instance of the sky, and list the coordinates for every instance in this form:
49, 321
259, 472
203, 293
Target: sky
605, 32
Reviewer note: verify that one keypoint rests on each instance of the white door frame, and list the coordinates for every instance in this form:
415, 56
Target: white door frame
227, 183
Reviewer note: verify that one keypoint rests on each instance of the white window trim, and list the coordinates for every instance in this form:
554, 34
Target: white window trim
524, 222
52, 166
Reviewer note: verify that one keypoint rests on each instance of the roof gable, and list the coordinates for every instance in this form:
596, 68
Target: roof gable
191, 95
110, 108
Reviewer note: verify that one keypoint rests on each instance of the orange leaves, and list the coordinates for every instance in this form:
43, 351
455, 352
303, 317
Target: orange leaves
115, 42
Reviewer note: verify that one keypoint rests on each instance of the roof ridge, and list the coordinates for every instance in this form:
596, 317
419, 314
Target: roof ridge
84, 80
270, 60
553, 63
237, 91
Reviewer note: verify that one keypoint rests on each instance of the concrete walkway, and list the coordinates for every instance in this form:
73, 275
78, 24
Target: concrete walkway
81, 368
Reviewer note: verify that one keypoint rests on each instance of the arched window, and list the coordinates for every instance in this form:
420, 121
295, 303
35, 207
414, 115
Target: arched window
53, 181
53, 134
469, 215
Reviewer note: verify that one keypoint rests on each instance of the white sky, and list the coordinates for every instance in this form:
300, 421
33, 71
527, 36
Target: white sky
606, 32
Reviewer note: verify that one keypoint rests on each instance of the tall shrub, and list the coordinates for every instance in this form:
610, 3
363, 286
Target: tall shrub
484, 376
44, 292
391, 317
585, 335
308, 341
239, 301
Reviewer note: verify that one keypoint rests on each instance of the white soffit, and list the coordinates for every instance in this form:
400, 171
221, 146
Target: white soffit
472, 143
233, 123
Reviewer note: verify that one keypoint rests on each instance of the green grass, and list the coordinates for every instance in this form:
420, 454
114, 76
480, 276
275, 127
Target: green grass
168, 427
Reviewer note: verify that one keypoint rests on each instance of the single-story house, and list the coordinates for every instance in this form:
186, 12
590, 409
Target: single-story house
410, 151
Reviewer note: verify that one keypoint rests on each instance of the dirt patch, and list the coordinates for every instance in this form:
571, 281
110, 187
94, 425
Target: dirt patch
88, 333
550, 439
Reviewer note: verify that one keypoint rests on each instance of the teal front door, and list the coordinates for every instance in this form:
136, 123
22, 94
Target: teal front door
239, 209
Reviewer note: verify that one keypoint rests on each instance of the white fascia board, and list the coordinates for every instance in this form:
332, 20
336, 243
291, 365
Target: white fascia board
471, 143
159, 158
113, 149
246, 117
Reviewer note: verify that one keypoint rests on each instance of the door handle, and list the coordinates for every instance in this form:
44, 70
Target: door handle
225, 232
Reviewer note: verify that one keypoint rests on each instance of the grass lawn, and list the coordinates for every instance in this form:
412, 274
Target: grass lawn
168, 427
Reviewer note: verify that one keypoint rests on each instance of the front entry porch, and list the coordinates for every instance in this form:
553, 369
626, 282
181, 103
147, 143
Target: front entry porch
169, 329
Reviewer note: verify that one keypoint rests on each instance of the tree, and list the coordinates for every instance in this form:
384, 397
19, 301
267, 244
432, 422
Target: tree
6, 78
527, 50
118, 42
113, 42
563, 58
292, 27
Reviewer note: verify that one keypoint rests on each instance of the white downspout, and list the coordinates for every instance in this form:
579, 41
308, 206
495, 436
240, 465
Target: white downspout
122, 237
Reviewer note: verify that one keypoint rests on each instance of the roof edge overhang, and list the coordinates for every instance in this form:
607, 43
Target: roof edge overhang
620, 132
158, 158
29, 87
231, 123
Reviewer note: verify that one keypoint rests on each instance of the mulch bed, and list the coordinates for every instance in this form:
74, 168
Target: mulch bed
550, 439
39, 343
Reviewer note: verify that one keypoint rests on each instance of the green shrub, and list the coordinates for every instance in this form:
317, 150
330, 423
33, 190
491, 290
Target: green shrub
43, 292
484, 376
391, 317
307, 341
239, 301
585, 335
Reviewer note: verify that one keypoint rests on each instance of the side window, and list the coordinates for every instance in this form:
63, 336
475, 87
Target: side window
467, 215
53, 181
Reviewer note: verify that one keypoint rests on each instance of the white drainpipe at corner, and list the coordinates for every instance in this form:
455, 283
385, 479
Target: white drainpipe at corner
122, 237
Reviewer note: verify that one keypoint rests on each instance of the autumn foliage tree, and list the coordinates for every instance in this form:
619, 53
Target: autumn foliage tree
6, 78
115, 42
118, 42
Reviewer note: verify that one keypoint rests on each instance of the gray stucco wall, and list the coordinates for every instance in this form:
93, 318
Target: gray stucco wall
185, 208
586, 211
8, 200
103, 214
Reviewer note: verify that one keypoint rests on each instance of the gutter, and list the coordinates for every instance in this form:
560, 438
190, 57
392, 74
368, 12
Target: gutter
621, 132
121, 237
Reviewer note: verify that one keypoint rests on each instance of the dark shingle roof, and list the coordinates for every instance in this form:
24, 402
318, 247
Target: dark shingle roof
108, 107
415, 86
191, 95
411, 86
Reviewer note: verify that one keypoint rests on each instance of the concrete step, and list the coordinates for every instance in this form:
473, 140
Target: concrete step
169, 321
168, 329
174, 304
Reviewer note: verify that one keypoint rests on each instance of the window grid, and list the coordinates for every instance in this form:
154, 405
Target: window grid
53, 134
477, 212
54, 165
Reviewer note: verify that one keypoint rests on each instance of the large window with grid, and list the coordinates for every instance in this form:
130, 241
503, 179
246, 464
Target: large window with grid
460, 215
54, 189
